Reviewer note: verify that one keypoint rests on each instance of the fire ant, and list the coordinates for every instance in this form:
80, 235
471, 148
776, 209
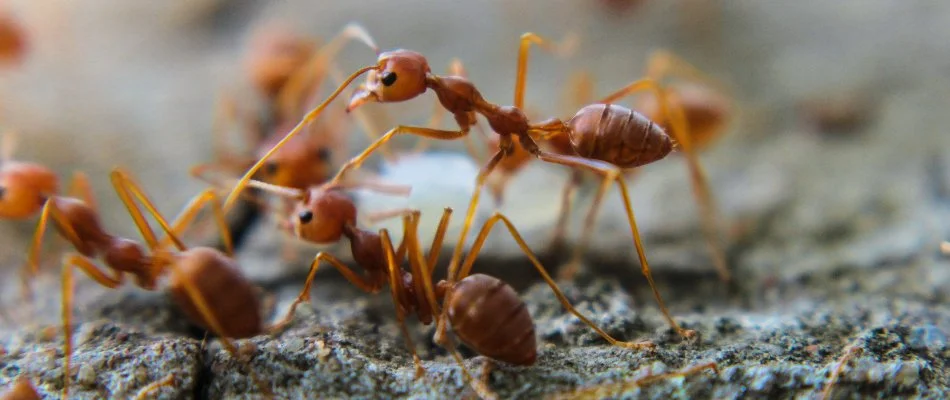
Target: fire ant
471, 303
286, 69
207, 284
606, 138
704, 112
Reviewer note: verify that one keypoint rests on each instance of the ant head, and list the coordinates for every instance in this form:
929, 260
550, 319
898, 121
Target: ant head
399, 76
13, 41
322, 215
23, 189
300, 164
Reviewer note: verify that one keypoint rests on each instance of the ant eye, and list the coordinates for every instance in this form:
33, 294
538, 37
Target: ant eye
323, 154
389, 79
3, 191
270, 168
305, 216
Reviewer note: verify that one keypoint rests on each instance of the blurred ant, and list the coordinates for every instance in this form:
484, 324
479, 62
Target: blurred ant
285, 68
945, 248
207, 284
606, 138
471, 303
613, 389
21, 389
13, 42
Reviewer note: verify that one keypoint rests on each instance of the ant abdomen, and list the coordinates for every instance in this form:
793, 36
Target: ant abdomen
618, 135
224, 289
489, 316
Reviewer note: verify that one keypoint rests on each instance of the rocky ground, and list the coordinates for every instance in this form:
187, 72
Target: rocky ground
833, 232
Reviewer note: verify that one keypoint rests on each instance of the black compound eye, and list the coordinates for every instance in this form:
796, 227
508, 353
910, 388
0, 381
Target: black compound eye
389, 79
305, 216
270, 168
323, 154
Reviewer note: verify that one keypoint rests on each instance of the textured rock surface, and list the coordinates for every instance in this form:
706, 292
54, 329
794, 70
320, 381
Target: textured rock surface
833, 238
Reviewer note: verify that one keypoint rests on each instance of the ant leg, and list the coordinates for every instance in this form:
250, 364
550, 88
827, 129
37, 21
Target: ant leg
398, 292
68, 230
610, 173
466, 225
127, 190
80, 188
436, 248
366, 123
663, 63
98, 275
849, 352
187, 216
480, 240
410, 225
355, 162
708, 209
8, 146
152, 387
307, 119
618, 388
565, 48
560, 230
361, 282
307, 77
579, 91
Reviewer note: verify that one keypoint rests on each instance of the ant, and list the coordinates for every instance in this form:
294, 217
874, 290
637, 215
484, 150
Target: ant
13, 42
286, 69
705, 115
606, 138
470, 302
207, 284
21, 389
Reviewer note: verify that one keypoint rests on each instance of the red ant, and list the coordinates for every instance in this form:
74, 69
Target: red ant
705, 115
470, 302
606, 138
207, 284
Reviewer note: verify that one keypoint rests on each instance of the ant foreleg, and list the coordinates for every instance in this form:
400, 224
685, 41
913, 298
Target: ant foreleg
357, 161
98, 275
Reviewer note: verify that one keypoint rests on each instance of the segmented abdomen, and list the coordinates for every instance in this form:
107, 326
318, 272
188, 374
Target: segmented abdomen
618, 135
487, 314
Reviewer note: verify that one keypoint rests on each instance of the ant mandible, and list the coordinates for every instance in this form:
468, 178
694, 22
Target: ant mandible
602, 134
207, 284
470, 303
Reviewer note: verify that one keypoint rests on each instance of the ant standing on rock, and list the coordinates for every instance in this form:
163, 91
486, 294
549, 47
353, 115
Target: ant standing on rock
471, 303
206, 284
603, 135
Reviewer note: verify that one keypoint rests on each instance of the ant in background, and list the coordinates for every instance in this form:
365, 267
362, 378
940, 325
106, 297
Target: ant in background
285, 69
705, 114
207, 284
606, 138
471, 303
13, 42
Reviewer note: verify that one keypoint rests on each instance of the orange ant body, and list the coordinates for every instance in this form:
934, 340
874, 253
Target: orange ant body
22, 389
13, 43
605, 138
471, 303
206, 284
